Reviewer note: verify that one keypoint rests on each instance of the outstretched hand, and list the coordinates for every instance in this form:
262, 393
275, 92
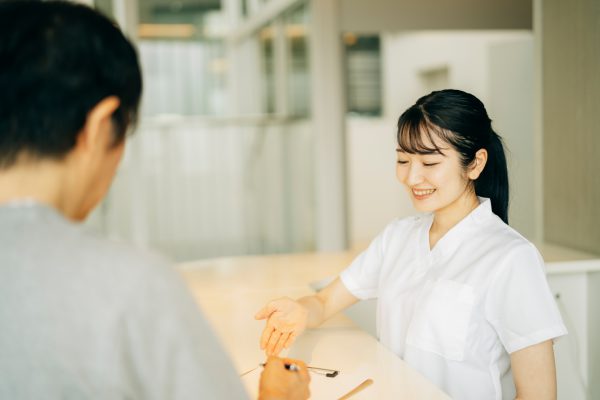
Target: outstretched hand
285, 320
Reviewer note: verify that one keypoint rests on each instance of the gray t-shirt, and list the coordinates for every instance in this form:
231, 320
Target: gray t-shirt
85, 318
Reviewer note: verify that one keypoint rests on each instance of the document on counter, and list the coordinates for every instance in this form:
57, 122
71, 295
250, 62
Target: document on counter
321, 386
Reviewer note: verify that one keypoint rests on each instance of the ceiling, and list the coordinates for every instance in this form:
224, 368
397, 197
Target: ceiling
398, 15
156, 10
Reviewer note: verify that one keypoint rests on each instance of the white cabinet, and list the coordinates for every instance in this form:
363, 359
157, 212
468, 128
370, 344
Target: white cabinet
576, 285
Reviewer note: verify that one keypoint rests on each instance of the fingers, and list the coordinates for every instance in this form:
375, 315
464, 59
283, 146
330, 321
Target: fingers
285, 319
272, 342
302, 369
274, 362
281, 342
290, 340
299, 363
279, 381
279, 362
266, 335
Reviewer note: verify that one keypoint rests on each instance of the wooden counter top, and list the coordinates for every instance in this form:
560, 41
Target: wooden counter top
231, 290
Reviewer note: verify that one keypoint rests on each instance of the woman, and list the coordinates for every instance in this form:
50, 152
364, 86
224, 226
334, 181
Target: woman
462, 297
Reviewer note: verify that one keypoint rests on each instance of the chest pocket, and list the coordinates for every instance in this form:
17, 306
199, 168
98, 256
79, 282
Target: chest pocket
441, 319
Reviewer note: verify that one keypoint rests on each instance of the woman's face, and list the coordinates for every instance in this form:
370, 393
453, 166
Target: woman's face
434, 181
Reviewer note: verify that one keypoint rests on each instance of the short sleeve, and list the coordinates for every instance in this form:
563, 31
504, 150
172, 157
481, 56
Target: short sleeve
361, 278
519, 302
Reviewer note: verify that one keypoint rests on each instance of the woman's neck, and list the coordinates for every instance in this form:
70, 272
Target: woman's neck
446, 218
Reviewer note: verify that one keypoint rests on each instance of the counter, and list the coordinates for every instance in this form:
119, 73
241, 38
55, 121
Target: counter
231, 290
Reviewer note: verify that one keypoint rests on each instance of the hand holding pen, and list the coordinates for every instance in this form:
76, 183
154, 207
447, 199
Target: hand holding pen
284, 379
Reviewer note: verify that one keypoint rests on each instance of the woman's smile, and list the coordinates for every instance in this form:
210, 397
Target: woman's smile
422, 194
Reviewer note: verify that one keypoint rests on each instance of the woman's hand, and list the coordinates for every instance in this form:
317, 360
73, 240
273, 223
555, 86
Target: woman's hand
286, 319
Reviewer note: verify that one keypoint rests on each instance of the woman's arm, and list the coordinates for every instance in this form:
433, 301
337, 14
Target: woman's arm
329, 301
534, 372
287, 318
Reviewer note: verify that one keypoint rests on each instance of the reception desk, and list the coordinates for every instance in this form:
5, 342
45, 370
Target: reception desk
231, 290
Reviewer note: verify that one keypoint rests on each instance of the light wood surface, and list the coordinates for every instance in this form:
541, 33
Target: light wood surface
231, 290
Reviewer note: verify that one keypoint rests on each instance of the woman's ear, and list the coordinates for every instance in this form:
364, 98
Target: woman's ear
478, 164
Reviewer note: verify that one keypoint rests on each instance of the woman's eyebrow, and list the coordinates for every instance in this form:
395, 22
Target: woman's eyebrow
424, 152
437, 151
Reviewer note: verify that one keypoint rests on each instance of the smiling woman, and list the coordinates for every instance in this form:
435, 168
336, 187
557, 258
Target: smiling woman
455, 125
461, 296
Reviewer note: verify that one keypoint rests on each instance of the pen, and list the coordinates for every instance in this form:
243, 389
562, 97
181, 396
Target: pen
289, 367
330, 373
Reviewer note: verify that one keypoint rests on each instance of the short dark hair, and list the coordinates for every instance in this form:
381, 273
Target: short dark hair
460, 119
57, 61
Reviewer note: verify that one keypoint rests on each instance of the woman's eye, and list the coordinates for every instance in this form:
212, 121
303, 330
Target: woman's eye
402, 162
430, 164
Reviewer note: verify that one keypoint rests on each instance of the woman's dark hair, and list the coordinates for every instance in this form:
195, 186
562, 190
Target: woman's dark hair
460, 119
57, 61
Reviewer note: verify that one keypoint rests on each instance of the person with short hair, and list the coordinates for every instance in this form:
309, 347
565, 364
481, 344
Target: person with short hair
82, 317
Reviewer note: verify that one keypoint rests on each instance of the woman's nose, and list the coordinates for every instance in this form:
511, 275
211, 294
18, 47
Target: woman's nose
413, 175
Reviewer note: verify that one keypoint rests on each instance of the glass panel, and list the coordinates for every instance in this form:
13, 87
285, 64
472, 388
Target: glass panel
197, 189
298, 80
183, 77
266, 36
363, 74
177, 19
182, 51
244, 8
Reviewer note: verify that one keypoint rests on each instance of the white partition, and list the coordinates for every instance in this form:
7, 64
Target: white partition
197, 188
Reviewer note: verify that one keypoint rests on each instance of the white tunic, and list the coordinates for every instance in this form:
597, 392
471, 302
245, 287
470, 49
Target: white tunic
456, 312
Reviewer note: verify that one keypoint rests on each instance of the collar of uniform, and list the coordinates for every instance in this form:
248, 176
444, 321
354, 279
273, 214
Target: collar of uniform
482, 212
452, 239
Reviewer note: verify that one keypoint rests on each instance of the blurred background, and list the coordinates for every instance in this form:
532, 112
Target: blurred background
268, 126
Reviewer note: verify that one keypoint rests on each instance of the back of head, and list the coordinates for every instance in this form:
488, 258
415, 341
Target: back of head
57, 61
460, 119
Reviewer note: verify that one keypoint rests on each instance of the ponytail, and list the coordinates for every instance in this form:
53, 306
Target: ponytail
493, 180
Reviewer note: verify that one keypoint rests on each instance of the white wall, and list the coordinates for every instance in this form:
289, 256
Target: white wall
375, 197
407, 55
494, 66
510, 106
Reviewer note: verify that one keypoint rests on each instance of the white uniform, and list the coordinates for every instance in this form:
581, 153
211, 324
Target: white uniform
456, 312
